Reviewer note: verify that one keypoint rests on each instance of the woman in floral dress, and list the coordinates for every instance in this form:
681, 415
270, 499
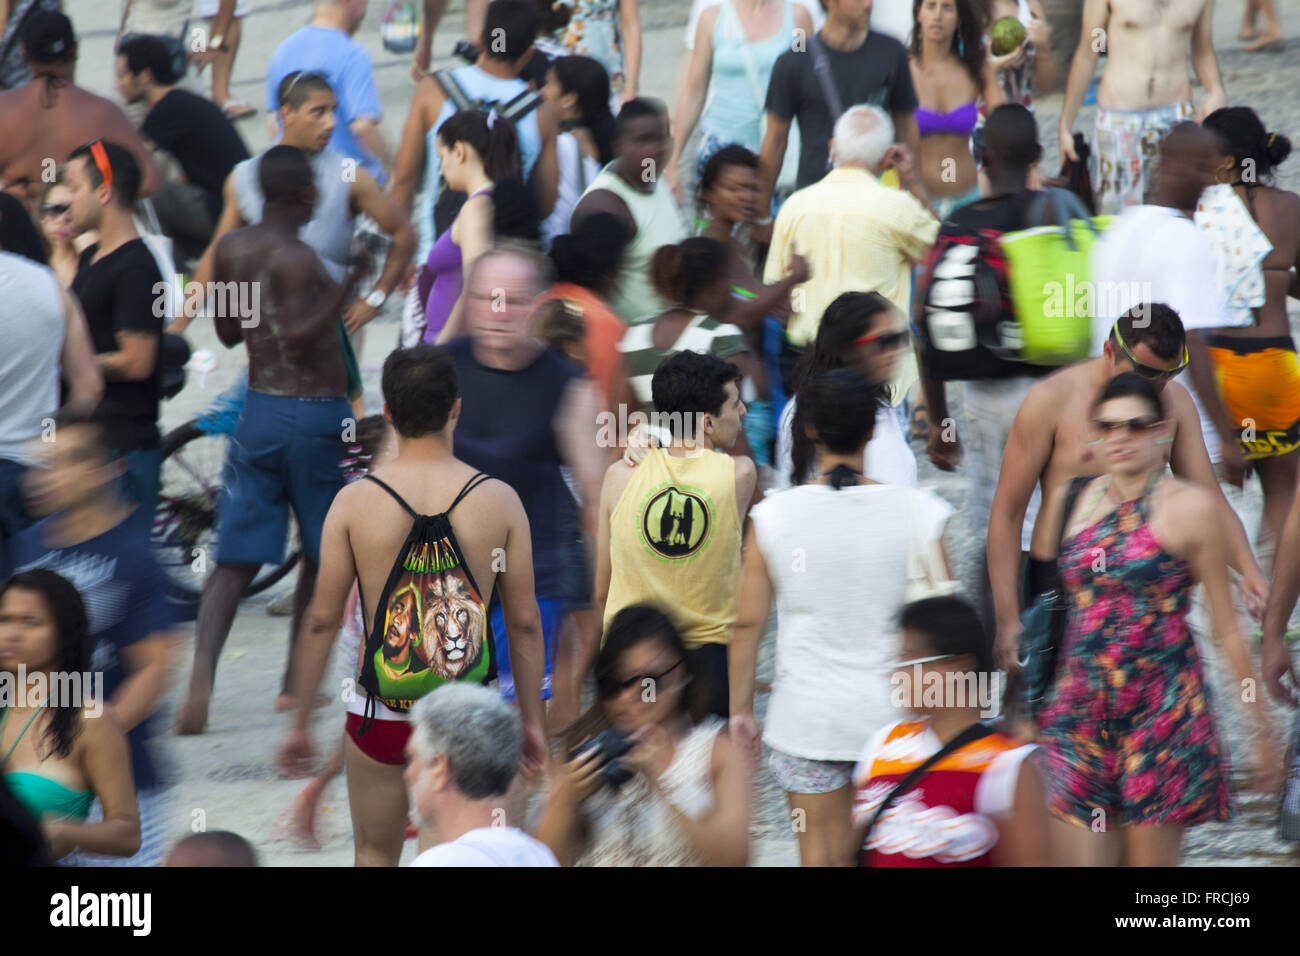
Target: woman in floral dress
609, 31
1133, 754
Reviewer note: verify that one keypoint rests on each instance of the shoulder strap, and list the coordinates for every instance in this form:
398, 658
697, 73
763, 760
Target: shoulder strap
1077, 484
518, 107
396, 497
470, 485
822, 67
974, 732
451, 86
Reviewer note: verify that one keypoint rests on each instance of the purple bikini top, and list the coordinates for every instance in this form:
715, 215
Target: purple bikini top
960, 122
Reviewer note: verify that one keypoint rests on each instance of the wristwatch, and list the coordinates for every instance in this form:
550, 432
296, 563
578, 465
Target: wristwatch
377, 298
214, 43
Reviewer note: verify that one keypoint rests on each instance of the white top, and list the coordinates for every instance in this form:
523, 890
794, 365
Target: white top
31, 328
489, 846
1156, 254
838, 564
891, 17
888, 458
576, 171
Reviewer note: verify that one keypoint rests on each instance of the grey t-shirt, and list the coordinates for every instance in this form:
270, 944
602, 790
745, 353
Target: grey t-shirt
31, 326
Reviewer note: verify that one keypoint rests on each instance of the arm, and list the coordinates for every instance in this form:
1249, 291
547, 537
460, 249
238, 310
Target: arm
629, 26
616, 477
77, 364
368, 198
1028, 450
425, 107
1201, 369
1096, 14
722, 835
472, 231
992, 91
367, 132
908, 134
602, 200
694, 86
106, 762
545, 179
1024, 835
1040, 35
753, 605
750, 314
433, 11
771, 157
746, 480
1281, 602
524, 625
230, 221
147, 664
134, 359
575, 428
1205, 64
229, 328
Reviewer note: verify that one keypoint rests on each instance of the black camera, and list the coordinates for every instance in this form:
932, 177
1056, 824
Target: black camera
466, 51
609, 746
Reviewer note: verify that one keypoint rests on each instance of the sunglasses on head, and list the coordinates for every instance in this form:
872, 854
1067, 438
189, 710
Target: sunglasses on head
55, 208
1134, 426
887, 341
1149, 372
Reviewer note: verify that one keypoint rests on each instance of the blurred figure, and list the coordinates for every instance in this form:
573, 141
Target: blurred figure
609, 31
577, 88
1127, 727
1271, 38
835, 602
1019, 73
225, 27
63, 246
651, 780
670, 528
212, 848
462, 756
60, 755
988, 795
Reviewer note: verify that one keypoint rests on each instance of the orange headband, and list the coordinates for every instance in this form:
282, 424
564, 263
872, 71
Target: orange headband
101, 161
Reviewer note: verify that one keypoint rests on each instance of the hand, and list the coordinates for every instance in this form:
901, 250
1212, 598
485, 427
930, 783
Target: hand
946, 455
1217, 99
534, 755
1006, 648
674, 180
1254, 591
1233, 468
799, 269
295, 757
57, 838
357, 315
650, 754
629, 93
761, 233
899, 157
1008, 60
1065, 145
639, 443
747, 737
1276, 666
423, 54
576, 780
1269, 772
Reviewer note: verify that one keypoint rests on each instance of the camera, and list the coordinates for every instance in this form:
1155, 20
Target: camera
610, 746
466, 51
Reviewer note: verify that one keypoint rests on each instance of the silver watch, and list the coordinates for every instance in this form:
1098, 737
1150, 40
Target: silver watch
376, 299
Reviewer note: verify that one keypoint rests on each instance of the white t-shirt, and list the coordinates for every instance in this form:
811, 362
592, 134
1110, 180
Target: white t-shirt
489, 846
889, 459
838, 564
576, 172
1156, 254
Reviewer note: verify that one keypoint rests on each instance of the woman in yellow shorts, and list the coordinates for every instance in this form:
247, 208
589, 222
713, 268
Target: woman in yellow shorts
1255, 365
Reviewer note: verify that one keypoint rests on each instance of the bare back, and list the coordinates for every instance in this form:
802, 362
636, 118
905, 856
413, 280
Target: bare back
1277, 212
1147, 43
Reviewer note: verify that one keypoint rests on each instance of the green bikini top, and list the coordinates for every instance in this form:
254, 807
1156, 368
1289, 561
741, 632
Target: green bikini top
39, 794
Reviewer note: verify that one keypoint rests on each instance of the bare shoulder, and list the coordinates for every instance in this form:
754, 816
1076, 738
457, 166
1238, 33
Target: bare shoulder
746, 471
498, 498
617, 477
1179, 405
1192, 505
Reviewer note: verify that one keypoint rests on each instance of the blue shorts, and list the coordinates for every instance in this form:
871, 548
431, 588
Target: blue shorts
553, 612
285, 453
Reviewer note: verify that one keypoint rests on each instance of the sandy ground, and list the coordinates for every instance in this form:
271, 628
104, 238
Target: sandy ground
225, 777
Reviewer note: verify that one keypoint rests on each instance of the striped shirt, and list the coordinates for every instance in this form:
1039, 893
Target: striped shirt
703, 334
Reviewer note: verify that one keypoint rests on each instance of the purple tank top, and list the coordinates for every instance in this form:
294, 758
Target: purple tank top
960, 122
440, 281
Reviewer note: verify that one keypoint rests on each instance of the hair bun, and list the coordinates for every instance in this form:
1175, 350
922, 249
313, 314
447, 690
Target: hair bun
1276, 148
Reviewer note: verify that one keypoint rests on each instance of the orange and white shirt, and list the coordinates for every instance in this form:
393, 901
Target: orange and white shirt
950, 817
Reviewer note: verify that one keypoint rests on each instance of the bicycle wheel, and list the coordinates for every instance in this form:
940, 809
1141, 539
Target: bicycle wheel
185, 522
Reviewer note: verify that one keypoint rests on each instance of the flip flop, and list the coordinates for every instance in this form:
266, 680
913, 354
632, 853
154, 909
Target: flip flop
237, 110
1276, 45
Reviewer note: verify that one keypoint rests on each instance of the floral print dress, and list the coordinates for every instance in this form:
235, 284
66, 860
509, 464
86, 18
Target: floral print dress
1128, 730
593, 32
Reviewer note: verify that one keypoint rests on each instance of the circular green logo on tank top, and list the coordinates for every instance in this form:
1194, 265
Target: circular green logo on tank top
675, 523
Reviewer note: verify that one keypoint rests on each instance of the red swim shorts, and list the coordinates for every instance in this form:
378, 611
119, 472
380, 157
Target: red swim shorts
384, 740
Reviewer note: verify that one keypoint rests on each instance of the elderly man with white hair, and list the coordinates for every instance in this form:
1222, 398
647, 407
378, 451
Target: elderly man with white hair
857, 235
462, 756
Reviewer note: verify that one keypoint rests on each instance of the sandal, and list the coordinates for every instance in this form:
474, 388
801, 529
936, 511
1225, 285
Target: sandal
237, 110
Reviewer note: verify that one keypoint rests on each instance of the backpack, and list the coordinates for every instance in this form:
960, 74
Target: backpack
448, 202
441, 628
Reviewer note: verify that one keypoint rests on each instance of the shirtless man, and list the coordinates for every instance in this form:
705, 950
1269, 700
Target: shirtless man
1144, 90
363, 534
1048, 446
287, 446
49, 117
345, 190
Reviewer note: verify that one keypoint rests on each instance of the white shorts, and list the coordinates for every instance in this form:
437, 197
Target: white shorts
208, 8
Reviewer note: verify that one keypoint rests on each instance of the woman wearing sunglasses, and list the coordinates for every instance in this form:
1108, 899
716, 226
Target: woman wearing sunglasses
680, 795
1127, 726
63, 245
860, 330
833, 555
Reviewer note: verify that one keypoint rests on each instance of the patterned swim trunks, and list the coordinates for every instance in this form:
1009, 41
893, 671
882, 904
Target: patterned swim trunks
1128, 144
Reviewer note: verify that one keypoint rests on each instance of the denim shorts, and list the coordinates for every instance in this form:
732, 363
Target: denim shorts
801, 775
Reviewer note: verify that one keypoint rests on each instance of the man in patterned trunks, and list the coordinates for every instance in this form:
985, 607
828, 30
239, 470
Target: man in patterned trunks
1144, 90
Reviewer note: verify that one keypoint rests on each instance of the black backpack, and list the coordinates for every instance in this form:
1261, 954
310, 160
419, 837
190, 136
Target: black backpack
434, 613
448, 202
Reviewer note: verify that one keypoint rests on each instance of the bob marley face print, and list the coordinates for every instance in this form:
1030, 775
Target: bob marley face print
400, 630
675, 523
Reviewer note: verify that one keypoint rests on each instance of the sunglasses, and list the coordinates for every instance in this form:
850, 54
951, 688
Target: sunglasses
55, 209
1134, 426
1148, 372
888, 341
617, 686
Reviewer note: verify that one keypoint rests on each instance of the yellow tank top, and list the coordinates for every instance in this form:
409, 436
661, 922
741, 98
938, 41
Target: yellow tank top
674, 542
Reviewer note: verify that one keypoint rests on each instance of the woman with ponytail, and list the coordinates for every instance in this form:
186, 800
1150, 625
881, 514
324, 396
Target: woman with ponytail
476, 149
577, 89
1255, 361
836, 606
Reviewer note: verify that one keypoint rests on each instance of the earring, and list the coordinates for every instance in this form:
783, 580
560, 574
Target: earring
961, 45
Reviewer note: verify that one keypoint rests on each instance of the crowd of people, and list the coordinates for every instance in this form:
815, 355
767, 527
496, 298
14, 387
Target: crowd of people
648, 410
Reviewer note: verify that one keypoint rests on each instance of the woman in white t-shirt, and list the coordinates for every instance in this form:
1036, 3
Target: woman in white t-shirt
833, 553
861, 330
577, 87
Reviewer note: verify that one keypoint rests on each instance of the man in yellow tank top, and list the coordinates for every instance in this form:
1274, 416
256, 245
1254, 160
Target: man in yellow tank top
670, 527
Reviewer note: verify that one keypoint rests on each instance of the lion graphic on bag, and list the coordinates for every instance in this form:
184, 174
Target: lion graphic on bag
452, 627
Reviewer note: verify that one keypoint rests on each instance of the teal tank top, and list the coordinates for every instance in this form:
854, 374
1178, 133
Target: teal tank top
741, 71
42, 796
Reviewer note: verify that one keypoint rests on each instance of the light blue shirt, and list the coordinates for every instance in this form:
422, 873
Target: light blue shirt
350, 72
